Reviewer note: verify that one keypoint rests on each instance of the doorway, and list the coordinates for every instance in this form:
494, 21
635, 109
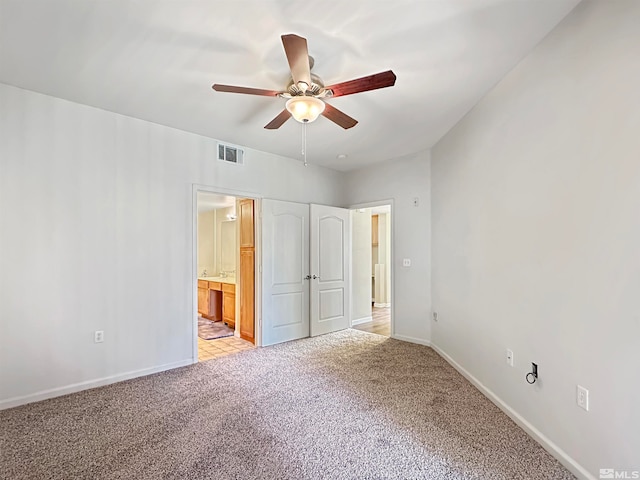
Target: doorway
372, 268
225, 270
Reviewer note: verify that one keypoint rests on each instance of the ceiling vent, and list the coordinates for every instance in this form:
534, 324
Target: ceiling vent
230, 153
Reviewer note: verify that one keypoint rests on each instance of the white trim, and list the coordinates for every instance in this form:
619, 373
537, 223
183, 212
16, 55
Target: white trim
99, 382
257, 272
406, 338
573, 466
382, 305
362, 320
225, 191
377, 203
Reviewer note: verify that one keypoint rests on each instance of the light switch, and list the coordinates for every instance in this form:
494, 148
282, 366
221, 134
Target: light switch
406, 262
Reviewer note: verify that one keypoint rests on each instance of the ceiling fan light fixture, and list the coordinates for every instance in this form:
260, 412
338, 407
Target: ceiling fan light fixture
306, 90
305, 109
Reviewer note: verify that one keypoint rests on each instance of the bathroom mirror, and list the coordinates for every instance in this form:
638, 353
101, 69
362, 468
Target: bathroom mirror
228, 246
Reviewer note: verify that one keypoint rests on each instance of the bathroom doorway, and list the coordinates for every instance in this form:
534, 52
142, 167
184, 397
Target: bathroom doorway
372, 268
225, 251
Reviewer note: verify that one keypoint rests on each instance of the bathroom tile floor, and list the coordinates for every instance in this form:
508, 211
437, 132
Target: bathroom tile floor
208, 349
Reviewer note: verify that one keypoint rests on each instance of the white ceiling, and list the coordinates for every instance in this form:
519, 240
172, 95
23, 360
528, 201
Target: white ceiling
212, 201
381, 209
157, 59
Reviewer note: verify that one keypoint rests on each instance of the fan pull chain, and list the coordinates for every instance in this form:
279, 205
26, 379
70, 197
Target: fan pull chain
304, 143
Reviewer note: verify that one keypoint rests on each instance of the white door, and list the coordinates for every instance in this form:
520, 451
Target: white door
285, 266
330, 260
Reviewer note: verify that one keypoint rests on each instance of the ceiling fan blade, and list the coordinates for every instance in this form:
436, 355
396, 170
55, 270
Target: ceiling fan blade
295, 48
372, 82
277, 122
338, 117
249, 91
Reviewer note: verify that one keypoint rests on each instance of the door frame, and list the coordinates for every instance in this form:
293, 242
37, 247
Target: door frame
195, 189
378, 203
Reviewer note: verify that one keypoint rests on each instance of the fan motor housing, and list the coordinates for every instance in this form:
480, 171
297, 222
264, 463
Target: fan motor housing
314, 89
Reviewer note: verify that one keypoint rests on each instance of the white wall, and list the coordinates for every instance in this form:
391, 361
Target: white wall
402, 180
206, 242
220, 217
96, 233
384, 259
361, 265
536, 236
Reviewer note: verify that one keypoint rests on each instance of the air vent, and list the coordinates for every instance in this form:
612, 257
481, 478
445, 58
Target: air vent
230, 153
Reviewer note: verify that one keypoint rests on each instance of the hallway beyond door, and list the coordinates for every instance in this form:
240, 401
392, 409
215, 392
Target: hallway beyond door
381, 323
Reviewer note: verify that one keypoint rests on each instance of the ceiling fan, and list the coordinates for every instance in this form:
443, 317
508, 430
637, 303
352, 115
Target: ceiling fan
306, 91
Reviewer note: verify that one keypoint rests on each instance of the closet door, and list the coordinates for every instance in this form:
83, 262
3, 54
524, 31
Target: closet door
330, 260
285, 267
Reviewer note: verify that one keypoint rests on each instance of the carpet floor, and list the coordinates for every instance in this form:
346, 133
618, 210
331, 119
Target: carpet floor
348, 405
208, 330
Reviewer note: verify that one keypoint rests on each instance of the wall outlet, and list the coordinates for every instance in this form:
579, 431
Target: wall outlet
582, 398
435, 316
406, 262
509, 357
98, 336
416, 201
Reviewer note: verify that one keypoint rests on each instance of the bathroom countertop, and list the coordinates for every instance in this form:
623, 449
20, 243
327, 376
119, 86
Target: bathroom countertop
229, 280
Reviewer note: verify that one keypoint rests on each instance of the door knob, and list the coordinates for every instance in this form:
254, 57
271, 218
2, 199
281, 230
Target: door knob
308, 277
315, 276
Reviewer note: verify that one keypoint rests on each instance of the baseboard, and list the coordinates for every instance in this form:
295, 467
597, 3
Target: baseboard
405, 338
99, 382
573, 466
381, 305
362, 320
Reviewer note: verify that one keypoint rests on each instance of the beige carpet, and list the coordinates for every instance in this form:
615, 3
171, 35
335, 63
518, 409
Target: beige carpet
350, 405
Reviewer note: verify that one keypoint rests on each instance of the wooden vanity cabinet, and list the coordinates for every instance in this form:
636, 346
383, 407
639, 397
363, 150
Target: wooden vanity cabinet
203, 302
210, 300
229, 304
217, 301
203, 298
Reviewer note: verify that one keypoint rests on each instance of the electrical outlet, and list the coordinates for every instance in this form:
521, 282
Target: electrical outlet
435, 316
582, 398
406, 262
509, 357
98, 336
